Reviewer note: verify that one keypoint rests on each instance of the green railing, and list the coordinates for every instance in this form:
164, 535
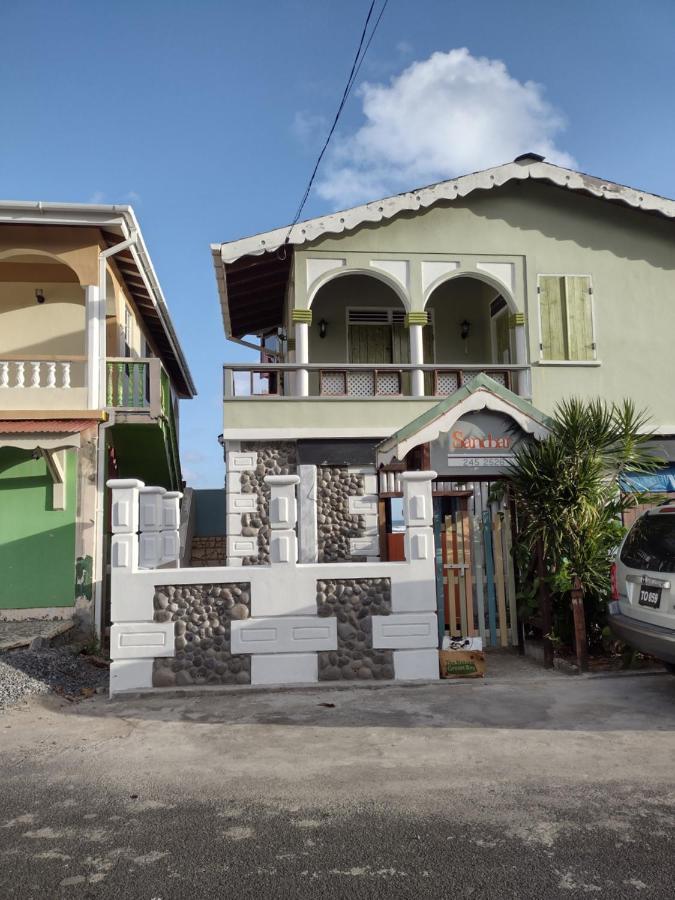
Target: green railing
128, 383
168, 424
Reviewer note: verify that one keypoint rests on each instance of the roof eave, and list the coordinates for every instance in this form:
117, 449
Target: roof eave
452, 189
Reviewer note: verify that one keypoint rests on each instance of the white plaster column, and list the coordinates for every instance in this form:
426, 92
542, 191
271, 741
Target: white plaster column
416, 322
517, 322
94, 326
302, 319
283, 517
307, 521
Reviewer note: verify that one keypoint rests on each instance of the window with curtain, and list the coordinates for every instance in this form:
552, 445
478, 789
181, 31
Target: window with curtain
566, 317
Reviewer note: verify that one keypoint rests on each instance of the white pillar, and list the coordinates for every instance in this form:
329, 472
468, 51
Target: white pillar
307, 521
93, 328
283, 517
302, 319
415, 322
524, 386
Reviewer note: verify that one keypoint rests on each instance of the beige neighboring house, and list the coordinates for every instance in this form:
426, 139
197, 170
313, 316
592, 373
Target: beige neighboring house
91, 374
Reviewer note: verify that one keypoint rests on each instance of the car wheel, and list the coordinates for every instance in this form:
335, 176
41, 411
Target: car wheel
669, 667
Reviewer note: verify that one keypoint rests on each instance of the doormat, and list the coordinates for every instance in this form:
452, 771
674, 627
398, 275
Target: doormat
461, 664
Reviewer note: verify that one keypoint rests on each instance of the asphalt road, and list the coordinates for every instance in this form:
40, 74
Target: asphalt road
525, 785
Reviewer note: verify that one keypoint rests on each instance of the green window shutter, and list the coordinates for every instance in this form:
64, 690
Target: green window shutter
503, 335
551, 310
578, 300
370, 344
400, 344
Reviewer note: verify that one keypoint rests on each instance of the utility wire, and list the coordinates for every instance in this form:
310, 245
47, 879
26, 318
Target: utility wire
361, 51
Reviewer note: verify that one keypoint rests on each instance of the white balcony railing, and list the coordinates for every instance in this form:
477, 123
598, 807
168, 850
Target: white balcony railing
356, 381
64, 372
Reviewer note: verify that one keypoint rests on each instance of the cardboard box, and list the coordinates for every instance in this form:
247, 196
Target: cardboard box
461, 663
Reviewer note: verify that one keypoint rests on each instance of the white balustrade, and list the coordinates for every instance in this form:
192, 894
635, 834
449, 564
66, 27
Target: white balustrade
47, 373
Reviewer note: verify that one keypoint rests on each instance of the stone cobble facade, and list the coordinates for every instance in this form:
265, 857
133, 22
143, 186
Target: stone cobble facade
208, 551
335, 524
272, 459
203, 614
353, 602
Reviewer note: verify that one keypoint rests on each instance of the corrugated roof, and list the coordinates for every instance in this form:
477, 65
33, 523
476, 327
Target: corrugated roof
45, 426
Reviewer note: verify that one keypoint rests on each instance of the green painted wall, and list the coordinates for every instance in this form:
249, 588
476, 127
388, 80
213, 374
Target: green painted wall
542, 229
37, 543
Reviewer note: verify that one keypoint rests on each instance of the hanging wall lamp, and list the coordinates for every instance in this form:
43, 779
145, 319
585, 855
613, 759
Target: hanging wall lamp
323, 327
464, 329
40, 295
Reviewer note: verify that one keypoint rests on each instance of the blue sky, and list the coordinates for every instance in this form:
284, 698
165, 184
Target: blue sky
207, 116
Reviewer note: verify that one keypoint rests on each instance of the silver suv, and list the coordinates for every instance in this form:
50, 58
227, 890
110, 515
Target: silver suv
642, 611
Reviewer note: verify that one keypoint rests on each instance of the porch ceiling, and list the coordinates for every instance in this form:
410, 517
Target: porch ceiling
252, 292
137, 287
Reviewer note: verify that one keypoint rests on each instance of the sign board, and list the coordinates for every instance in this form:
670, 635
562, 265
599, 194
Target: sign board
479, 445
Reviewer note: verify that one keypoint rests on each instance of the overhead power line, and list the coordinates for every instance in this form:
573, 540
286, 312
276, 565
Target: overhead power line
364, 43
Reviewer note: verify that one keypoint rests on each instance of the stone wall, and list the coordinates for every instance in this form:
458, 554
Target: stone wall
353, 602
202, 614
208, 551
272, 459
335, 524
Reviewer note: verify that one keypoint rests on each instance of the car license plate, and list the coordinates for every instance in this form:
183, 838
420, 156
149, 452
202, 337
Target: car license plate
650, 596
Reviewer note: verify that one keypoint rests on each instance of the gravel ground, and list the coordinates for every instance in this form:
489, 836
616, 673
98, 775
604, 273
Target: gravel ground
57, 669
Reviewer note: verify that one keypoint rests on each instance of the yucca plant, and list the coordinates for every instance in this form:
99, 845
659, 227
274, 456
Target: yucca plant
568, 494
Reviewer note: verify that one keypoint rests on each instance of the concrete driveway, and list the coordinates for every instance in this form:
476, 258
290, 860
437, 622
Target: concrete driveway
529, 785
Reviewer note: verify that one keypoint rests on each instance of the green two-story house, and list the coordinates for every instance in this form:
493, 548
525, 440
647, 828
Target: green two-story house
435, 329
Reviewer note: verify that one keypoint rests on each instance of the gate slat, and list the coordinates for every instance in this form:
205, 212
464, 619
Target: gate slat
510, 575
457, 532
490, 578
450, 559
468, 574
478, 569
499, 579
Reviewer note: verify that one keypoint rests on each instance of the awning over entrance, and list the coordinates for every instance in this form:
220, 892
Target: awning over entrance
48, 439
42, 434
483, 395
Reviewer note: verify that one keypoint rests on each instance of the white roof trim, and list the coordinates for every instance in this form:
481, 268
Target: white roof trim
480, 399
379, 210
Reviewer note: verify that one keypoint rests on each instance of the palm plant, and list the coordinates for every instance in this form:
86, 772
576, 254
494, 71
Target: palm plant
569, 498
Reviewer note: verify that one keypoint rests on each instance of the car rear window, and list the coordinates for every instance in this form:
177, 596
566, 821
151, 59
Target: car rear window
650, 544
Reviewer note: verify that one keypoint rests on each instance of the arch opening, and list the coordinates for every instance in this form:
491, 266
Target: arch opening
42, 305
470, 316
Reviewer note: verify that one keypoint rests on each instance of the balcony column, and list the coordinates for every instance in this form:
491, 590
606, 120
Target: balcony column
415, 322
94, 328
302, 319
517, 322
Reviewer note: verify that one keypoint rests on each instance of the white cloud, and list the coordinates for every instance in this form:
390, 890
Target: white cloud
97, 197
442, 117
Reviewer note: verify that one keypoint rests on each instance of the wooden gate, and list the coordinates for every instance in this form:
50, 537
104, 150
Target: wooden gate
479, 592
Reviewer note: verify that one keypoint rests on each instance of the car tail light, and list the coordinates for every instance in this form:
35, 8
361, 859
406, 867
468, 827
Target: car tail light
614, 582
